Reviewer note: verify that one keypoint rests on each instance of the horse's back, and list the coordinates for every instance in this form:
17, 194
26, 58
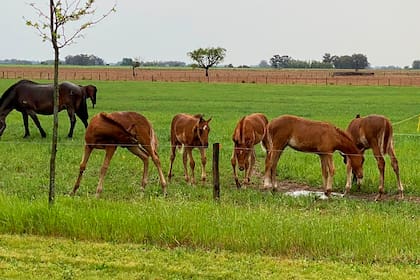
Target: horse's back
116, 128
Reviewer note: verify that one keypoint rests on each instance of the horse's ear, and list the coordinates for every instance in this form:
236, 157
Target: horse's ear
209, 120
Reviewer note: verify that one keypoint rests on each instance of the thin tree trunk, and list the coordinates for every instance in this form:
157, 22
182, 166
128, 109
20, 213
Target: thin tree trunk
51, 195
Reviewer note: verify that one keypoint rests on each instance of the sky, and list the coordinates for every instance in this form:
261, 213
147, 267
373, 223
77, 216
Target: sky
386, 31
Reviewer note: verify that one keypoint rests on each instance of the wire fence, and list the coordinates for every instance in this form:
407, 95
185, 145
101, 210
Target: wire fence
288, 77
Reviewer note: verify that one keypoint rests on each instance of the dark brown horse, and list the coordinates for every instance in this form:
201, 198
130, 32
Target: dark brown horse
375, 132
249, 131
126, 129
31, 98
189, 131
317, 137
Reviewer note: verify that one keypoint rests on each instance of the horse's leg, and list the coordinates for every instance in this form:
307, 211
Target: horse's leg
271, 161
172, 158
37, 123
86, 154
328, 170
72, 117
192, 164
394, 163
25, 124
381, 166
109, 152
156, 161
249, 166
349, 174
184, 163
233, 161
145, 159
203, 164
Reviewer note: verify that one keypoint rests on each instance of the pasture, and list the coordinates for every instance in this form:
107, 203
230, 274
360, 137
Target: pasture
352, 230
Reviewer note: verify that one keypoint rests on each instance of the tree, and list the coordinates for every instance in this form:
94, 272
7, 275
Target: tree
209, 57
416, 64
356, 61
135, 63
51, 27
126, 61
263, 64
360, 61
278, 61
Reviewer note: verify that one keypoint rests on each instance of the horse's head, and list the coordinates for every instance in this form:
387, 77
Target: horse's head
356, 162
90, 92
202, 130
242, 152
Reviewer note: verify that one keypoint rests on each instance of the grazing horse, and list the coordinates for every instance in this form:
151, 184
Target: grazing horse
31, 98
249, 131
126, 129
375, 132
189, 131
305, 135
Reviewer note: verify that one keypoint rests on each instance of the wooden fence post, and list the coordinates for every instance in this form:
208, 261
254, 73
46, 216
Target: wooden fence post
216, 183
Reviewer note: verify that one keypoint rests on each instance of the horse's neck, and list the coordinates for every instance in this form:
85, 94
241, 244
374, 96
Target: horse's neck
345, 144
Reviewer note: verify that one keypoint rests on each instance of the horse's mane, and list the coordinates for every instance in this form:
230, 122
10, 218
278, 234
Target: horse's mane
345, 135
200, 117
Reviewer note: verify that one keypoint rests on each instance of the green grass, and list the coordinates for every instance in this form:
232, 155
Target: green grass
247, 223
24, 256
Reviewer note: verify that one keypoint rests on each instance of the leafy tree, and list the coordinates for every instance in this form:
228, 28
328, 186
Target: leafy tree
126, 61
327, 58
134, 64
278, 61
356, 61
360, 61
416, 64
51, 27
263, 64
208, 57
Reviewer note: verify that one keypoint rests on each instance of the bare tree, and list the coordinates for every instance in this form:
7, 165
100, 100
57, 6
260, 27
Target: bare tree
51, 27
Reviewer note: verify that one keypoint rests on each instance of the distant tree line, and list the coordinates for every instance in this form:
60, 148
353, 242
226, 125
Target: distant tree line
355, 61
83, 59
16, 61
130, 62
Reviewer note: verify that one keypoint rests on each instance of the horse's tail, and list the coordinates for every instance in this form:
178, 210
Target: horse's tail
267, 141
387, 138
154, 142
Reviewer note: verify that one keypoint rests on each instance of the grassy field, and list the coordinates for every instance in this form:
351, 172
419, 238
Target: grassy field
309, 236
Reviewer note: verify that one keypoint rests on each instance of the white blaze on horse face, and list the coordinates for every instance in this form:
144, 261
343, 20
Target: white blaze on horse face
205, 127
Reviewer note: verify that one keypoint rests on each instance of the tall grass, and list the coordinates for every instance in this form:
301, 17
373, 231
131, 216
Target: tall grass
357, 233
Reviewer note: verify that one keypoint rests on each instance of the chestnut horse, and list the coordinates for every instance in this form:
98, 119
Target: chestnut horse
375, 132
126, 129
249, 131
305, 135
31, 98
188, 132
